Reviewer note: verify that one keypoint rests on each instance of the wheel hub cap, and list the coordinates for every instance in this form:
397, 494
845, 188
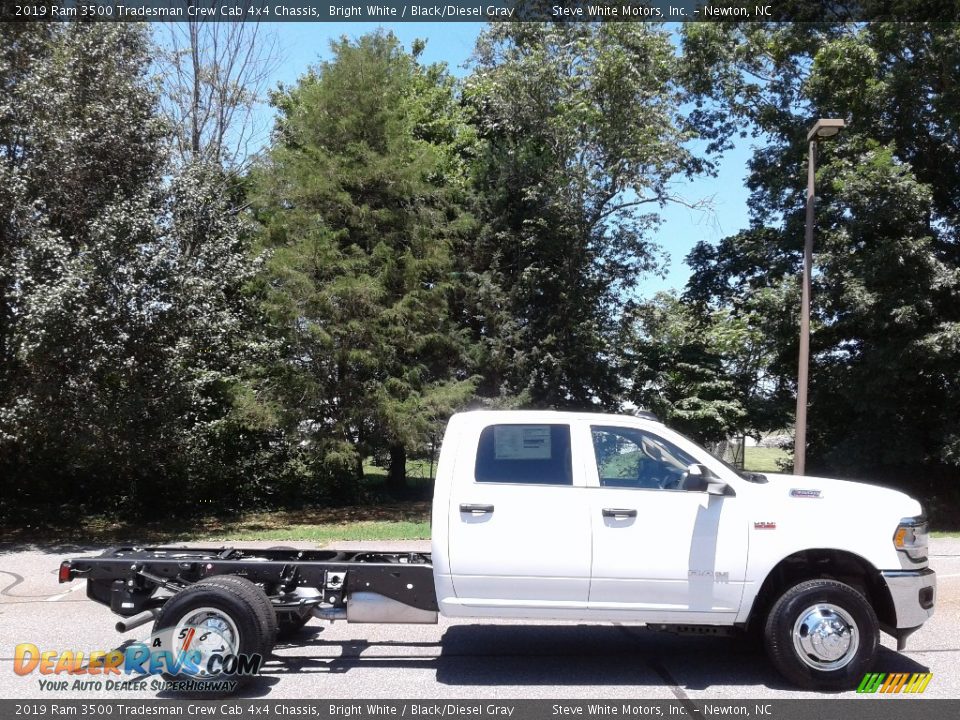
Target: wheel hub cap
825, 637
204, 633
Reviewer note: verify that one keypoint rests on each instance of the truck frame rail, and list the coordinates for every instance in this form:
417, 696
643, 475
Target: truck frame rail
131, 580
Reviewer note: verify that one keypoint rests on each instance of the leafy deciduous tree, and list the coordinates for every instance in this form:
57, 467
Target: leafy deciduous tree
582, 131
703, 373
122, 314
887, 277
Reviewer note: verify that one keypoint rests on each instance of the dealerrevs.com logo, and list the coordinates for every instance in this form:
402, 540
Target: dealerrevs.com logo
890, 683
190, 657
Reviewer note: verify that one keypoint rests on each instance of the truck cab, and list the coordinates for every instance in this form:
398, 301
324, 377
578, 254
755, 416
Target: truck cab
596, 517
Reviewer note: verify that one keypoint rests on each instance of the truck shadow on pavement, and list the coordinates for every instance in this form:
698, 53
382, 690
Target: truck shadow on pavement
545, 655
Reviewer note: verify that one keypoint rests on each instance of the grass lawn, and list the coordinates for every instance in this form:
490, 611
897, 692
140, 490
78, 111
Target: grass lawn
392, 521
324, 533
761, 459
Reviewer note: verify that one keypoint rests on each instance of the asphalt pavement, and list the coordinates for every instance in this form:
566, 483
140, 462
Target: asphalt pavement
457, 659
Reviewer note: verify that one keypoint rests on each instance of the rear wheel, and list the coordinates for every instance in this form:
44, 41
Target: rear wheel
823, 635
213, 631
256, 596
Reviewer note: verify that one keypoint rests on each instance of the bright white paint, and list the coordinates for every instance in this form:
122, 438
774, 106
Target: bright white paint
547, 552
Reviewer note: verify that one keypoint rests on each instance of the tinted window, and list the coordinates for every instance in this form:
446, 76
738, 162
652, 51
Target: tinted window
535, 454
627, 457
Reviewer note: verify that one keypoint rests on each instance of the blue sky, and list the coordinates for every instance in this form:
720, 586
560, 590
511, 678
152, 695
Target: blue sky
305, 44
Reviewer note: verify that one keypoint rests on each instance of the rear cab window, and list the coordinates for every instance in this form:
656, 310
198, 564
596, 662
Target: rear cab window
529, 453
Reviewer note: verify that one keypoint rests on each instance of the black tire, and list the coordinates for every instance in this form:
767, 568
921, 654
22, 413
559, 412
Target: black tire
836, 660
264, 607
234, 600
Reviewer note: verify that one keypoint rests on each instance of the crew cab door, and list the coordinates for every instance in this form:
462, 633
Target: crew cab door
663, 551
519, 533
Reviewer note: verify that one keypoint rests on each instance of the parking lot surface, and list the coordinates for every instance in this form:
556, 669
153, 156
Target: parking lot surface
457, 659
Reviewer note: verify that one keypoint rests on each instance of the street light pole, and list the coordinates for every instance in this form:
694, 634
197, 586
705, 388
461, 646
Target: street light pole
823, 128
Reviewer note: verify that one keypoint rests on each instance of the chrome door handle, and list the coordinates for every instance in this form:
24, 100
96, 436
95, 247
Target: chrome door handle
619, 512
469, 508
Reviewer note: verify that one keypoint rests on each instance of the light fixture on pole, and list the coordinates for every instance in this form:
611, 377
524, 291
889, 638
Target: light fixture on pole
823, 128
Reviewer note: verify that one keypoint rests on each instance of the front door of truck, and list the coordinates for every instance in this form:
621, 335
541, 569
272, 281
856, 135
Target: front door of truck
519, 536
662, 551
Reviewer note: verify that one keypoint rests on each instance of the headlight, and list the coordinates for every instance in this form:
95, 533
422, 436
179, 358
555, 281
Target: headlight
910, 539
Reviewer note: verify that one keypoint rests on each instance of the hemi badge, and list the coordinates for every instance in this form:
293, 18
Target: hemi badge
797, 493
765, 526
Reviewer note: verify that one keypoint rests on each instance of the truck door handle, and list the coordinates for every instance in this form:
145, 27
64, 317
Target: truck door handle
468, 508
619, 512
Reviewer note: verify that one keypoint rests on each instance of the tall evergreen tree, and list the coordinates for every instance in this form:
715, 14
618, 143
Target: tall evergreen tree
362, 198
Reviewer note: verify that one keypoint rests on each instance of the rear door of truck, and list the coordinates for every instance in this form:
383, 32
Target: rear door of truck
519, 534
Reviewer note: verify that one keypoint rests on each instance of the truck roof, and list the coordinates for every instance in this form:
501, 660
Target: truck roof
515, 415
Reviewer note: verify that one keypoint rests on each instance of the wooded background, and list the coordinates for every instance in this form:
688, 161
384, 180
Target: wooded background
186, 326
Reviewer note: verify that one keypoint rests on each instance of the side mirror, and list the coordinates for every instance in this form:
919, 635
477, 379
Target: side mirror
697, 478
719, 487
700, 478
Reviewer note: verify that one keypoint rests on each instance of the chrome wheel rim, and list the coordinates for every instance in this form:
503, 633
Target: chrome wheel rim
206, 632
825, 637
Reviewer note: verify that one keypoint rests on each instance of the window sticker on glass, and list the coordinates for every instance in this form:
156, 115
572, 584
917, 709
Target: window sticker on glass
521, 442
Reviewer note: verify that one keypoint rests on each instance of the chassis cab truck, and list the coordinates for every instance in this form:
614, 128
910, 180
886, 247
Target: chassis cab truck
572, 516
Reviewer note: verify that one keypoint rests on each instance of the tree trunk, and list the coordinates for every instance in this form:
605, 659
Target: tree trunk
195, 105
397, 474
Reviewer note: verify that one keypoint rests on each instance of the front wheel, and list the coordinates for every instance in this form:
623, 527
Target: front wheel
822, 635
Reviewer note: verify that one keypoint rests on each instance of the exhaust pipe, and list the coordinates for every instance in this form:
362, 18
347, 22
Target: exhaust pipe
128, 624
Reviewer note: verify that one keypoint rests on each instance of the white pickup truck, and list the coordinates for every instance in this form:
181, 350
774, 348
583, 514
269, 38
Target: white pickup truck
576, 516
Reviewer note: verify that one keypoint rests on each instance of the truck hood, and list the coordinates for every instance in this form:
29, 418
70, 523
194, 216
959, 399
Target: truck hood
797, 489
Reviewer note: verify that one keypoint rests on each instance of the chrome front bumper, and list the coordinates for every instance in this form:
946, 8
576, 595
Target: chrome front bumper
913, 593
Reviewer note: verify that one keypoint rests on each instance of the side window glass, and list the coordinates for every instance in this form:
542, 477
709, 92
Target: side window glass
631, 458
619, 460
536, 454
